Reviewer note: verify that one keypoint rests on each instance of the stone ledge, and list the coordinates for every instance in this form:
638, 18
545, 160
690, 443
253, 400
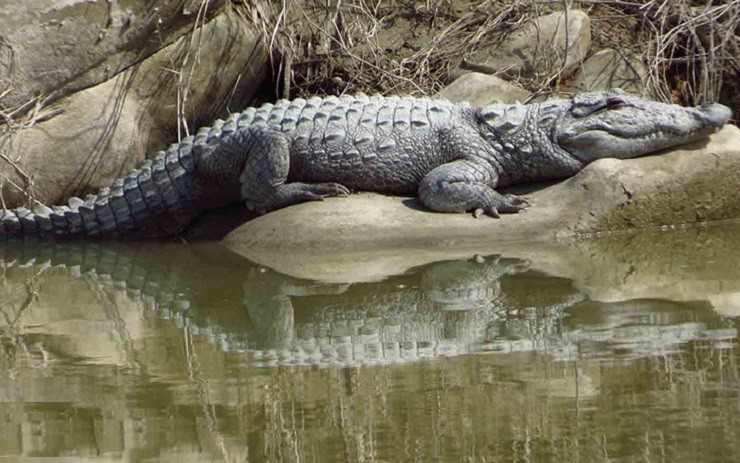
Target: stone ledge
696, 183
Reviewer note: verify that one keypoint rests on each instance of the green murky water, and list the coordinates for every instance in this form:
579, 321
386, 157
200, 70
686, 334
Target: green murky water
620, 349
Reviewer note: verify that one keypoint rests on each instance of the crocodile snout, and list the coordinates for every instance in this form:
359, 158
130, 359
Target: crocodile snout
714, 113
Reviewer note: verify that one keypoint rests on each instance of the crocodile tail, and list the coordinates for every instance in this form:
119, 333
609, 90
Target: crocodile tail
156, 200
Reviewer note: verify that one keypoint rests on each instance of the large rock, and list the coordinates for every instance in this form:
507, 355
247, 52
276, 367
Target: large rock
695, 183
99, 133
61, 46
482, 89
539, 47
611, 69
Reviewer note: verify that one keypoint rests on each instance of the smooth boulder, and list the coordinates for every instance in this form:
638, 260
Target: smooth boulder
86, 140
54, 48
610, 68
482, 89
556, 42
690, 184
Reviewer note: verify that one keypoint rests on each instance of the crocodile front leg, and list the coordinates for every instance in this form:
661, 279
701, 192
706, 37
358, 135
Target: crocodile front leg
465, 185
264, 184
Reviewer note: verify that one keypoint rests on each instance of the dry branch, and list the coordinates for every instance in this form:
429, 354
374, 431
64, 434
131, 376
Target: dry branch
690, 47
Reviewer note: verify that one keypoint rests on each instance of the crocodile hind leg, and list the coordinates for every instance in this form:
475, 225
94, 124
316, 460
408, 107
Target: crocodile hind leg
264, 184
464, 185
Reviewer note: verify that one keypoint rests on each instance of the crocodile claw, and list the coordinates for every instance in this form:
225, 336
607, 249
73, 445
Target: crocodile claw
508, 204
329, 189
342, 190
492, 211
516, 200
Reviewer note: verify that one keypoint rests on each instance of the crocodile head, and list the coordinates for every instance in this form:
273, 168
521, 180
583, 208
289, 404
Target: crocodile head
614, 124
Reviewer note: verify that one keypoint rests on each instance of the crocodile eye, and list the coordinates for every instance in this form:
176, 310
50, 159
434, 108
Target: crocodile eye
615, 103
582, 110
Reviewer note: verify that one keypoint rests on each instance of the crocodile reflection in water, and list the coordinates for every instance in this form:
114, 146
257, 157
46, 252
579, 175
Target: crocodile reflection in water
439, 309
444, 308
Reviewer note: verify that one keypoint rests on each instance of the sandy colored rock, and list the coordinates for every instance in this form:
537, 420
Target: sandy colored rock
611, 69
62, 46
539, 48
482, 89
99, 133
696, 183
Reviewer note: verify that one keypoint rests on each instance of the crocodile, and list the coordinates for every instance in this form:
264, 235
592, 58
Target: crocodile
453, 156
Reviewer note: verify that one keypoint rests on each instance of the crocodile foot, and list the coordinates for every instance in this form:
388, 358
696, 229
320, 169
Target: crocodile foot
297, 192
499, 203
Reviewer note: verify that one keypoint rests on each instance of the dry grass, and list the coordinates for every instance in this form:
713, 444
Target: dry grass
691, 48
346, 46
694, 50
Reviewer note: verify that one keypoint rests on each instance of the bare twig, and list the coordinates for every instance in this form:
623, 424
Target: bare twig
690, 47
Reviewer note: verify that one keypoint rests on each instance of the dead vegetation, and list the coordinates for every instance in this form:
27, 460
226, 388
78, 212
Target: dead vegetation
690, 47
694, 49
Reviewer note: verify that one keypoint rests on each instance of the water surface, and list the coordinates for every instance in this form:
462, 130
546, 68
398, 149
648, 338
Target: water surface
621, 348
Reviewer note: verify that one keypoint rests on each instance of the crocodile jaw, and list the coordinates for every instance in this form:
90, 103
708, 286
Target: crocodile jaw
612, 124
